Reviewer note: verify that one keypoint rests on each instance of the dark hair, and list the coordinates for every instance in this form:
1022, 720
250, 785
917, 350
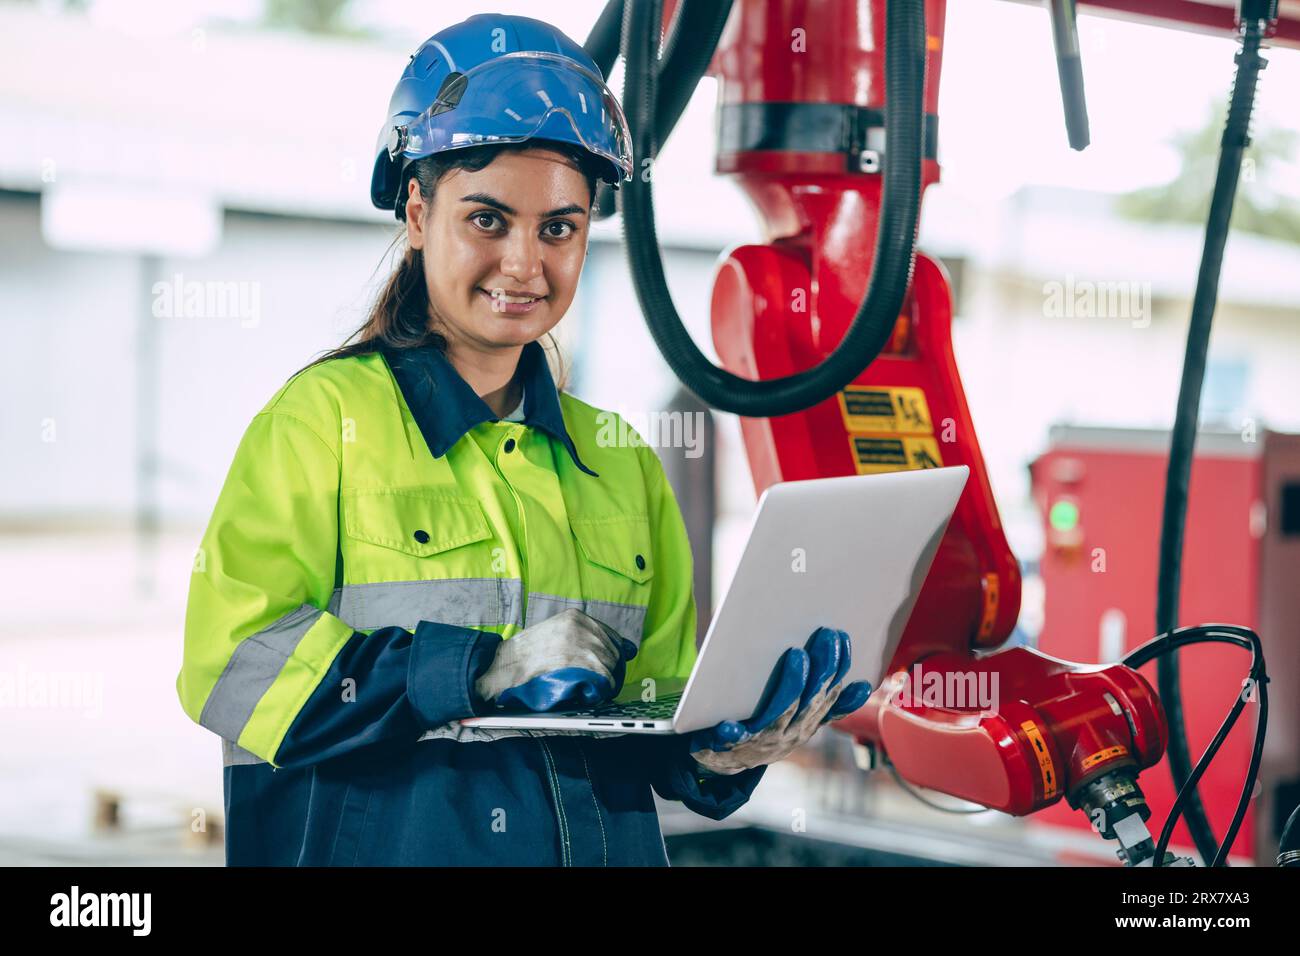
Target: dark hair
399, 318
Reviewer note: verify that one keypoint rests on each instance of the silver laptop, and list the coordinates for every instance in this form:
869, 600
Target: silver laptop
849, 553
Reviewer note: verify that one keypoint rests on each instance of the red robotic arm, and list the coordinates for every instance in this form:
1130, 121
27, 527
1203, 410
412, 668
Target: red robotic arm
802, 99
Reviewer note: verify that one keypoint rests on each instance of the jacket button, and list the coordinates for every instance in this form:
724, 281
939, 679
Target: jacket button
640, 563
422, 536
510, 444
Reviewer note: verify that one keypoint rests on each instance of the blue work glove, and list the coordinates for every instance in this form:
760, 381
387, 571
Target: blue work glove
804, 692
569, 660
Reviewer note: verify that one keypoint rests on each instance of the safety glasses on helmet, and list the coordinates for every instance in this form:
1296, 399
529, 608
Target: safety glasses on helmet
517, 97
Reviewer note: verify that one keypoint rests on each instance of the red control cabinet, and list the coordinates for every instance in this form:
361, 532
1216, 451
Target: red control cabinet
1100, 492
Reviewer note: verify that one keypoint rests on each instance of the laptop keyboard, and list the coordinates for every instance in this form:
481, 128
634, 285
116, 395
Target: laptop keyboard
659, 708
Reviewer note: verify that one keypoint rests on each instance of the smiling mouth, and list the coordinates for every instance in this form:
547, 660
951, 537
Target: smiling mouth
500, 296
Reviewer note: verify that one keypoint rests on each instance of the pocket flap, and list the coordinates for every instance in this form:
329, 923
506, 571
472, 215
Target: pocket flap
619, 542
414, 521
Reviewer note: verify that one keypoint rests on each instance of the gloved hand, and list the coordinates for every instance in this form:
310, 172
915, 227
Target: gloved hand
804, 692
567, 659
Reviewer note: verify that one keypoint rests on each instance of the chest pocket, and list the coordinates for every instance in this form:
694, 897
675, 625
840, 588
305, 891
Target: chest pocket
414, 522
617, 569
409, 556
616, 543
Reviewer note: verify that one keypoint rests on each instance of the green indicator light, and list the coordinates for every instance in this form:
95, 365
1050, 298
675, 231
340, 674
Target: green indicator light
1064, 516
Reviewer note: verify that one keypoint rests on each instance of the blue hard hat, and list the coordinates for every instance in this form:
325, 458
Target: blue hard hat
498, 79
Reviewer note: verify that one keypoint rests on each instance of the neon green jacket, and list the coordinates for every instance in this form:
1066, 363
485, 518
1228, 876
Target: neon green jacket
379, 533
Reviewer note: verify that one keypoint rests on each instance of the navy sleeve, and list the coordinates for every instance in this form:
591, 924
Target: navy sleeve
389, 684
675, 775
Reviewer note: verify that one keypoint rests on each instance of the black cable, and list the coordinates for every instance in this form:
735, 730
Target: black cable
1236, 136
913, 792
1252, 772
1245, 638
1158, 648
1199, 634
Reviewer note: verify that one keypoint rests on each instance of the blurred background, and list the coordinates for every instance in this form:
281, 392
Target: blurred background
149, 149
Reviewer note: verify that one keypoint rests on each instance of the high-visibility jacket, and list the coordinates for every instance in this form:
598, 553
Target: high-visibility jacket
379, 533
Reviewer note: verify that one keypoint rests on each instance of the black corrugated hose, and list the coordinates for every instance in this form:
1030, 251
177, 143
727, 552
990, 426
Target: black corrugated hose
603, 40
1236, 136
692, 38
891, 269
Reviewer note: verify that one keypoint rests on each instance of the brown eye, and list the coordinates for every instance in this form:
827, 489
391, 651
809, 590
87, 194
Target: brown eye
566, 229
485, 221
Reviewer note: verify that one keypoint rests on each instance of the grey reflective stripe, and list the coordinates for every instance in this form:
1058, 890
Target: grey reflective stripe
627, 619
463, 602
469, 602
251, 670
544, 606
233, 755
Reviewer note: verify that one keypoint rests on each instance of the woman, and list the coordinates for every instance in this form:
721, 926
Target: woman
420, 528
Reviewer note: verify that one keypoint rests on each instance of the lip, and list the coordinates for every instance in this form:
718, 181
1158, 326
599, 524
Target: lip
502, 307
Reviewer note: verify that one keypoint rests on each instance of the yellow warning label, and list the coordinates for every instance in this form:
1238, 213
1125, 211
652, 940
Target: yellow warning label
1045, 765
896, 411
874, 454
1119, 750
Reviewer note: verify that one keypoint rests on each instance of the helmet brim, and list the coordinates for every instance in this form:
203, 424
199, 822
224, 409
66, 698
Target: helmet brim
518, 97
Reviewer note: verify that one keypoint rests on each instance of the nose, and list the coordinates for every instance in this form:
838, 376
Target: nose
522, 259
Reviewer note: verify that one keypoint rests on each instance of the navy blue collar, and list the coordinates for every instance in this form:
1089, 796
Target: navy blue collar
446, 407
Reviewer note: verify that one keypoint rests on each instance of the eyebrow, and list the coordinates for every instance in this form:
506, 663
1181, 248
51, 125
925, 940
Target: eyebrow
487, 200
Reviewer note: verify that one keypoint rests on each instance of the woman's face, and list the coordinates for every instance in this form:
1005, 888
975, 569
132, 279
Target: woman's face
503, 247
